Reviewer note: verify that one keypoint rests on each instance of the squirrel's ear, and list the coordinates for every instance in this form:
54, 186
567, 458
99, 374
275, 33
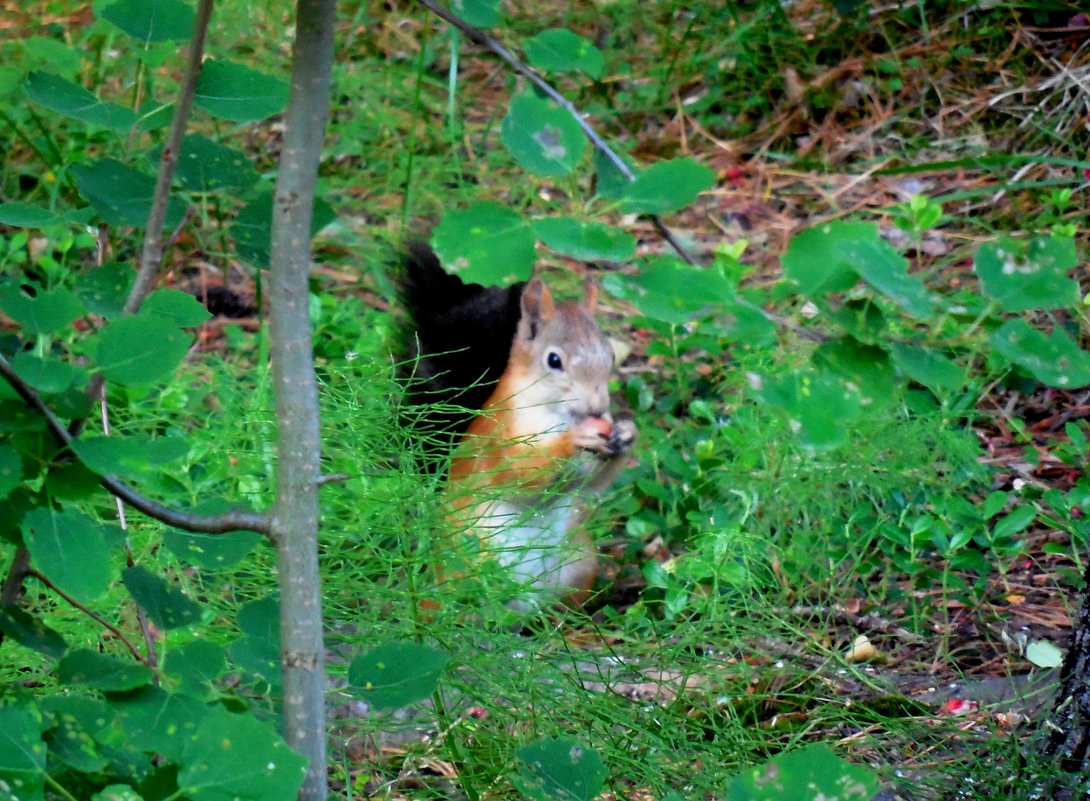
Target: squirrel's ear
537, 307
590, 295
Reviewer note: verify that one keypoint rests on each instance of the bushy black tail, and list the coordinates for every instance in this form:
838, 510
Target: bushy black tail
461, 335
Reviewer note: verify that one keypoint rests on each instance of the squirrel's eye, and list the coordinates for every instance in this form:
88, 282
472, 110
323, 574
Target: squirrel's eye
554, 361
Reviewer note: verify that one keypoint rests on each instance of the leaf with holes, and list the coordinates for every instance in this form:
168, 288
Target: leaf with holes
559, 769
207, 166
151, 20
22, 753
122, 195
141, 349
167, 606
70, 549
44, 312
486, 244
585, 241
72, 100
1053, 359
102, 671
1022, 277
233, 92
396, 674
560, 50
543, 138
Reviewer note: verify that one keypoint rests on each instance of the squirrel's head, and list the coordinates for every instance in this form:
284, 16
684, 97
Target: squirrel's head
564, 360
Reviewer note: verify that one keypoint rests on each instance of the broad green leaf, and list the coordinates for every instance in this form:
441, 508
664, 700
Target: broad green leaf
237, 758
233, 92
928, 367
44, 312
210, 551
258, 650
25, 215
141, 349
72, 482
22, 753
49, 375
117, 792
207, 166
72, 100
70, 742
864, 369
45, 53
559, 769
102, 671
30, 632
396, 674
886, 271
819, 407
154, 115
1021, 277
1015, 523
17, 416
129, 456
609, 182
485, 244
11, 78
1053, 359
196, 665
1044, 654
167, 606
152, 20
543, 137
181, 308
70, 549
105, 290
560, 50
813, 773
13, 509
122, 195
252, 228
666, 186
157, 721
667, 289
479, 13
814, 262
585, 241
11, 470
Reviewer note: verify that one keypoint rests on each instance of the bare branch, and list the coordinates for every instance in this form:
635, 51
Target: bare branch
483, 39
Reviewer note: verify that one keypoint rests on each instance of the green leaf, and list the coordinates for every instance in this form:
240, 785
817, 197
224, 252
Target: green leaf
64, 97
560, 50
810, 774
122, 195
1053, 359
818, 406
22, 753
210, 551
31, 632
559, 769
152, 20
25, 215
396, 674
167, 606
102, 671
44, 312
481, 13
544, 138
1022, 277
887, 272
258, 650
70, 742
141, 349
181, 308
196, 665
667, 289
1017, 521
129, 456
234, 757
252, 228
814, 262
11, 470
1044, 654
207, 166
928, 367
585, 241
157, 721
666, 186
49, 376
485, 244
233, 92
609, 182
70, 549
863, 369
117, 792
105, 290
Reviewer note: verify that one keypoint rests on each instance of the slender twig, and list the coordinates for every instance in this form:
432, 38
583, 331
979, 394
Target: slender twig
483, 39
204, 524
114, 630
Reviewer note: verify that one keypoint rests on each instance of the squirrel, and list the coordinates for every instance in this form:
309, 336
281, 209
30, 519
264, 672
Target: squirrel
541, 443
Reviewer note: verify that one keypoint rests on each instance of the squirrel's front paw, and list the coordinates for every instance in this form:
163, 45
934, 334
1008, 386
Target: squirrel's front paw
622, 437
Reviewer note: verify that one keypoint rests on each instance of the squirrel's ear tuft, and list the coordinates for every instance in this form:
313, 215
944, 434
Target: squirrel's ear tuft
537, 306
590, 295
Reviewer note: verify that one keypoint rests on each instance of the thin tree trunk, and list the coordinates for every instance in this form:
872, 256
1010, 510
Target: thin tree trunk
295, 518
